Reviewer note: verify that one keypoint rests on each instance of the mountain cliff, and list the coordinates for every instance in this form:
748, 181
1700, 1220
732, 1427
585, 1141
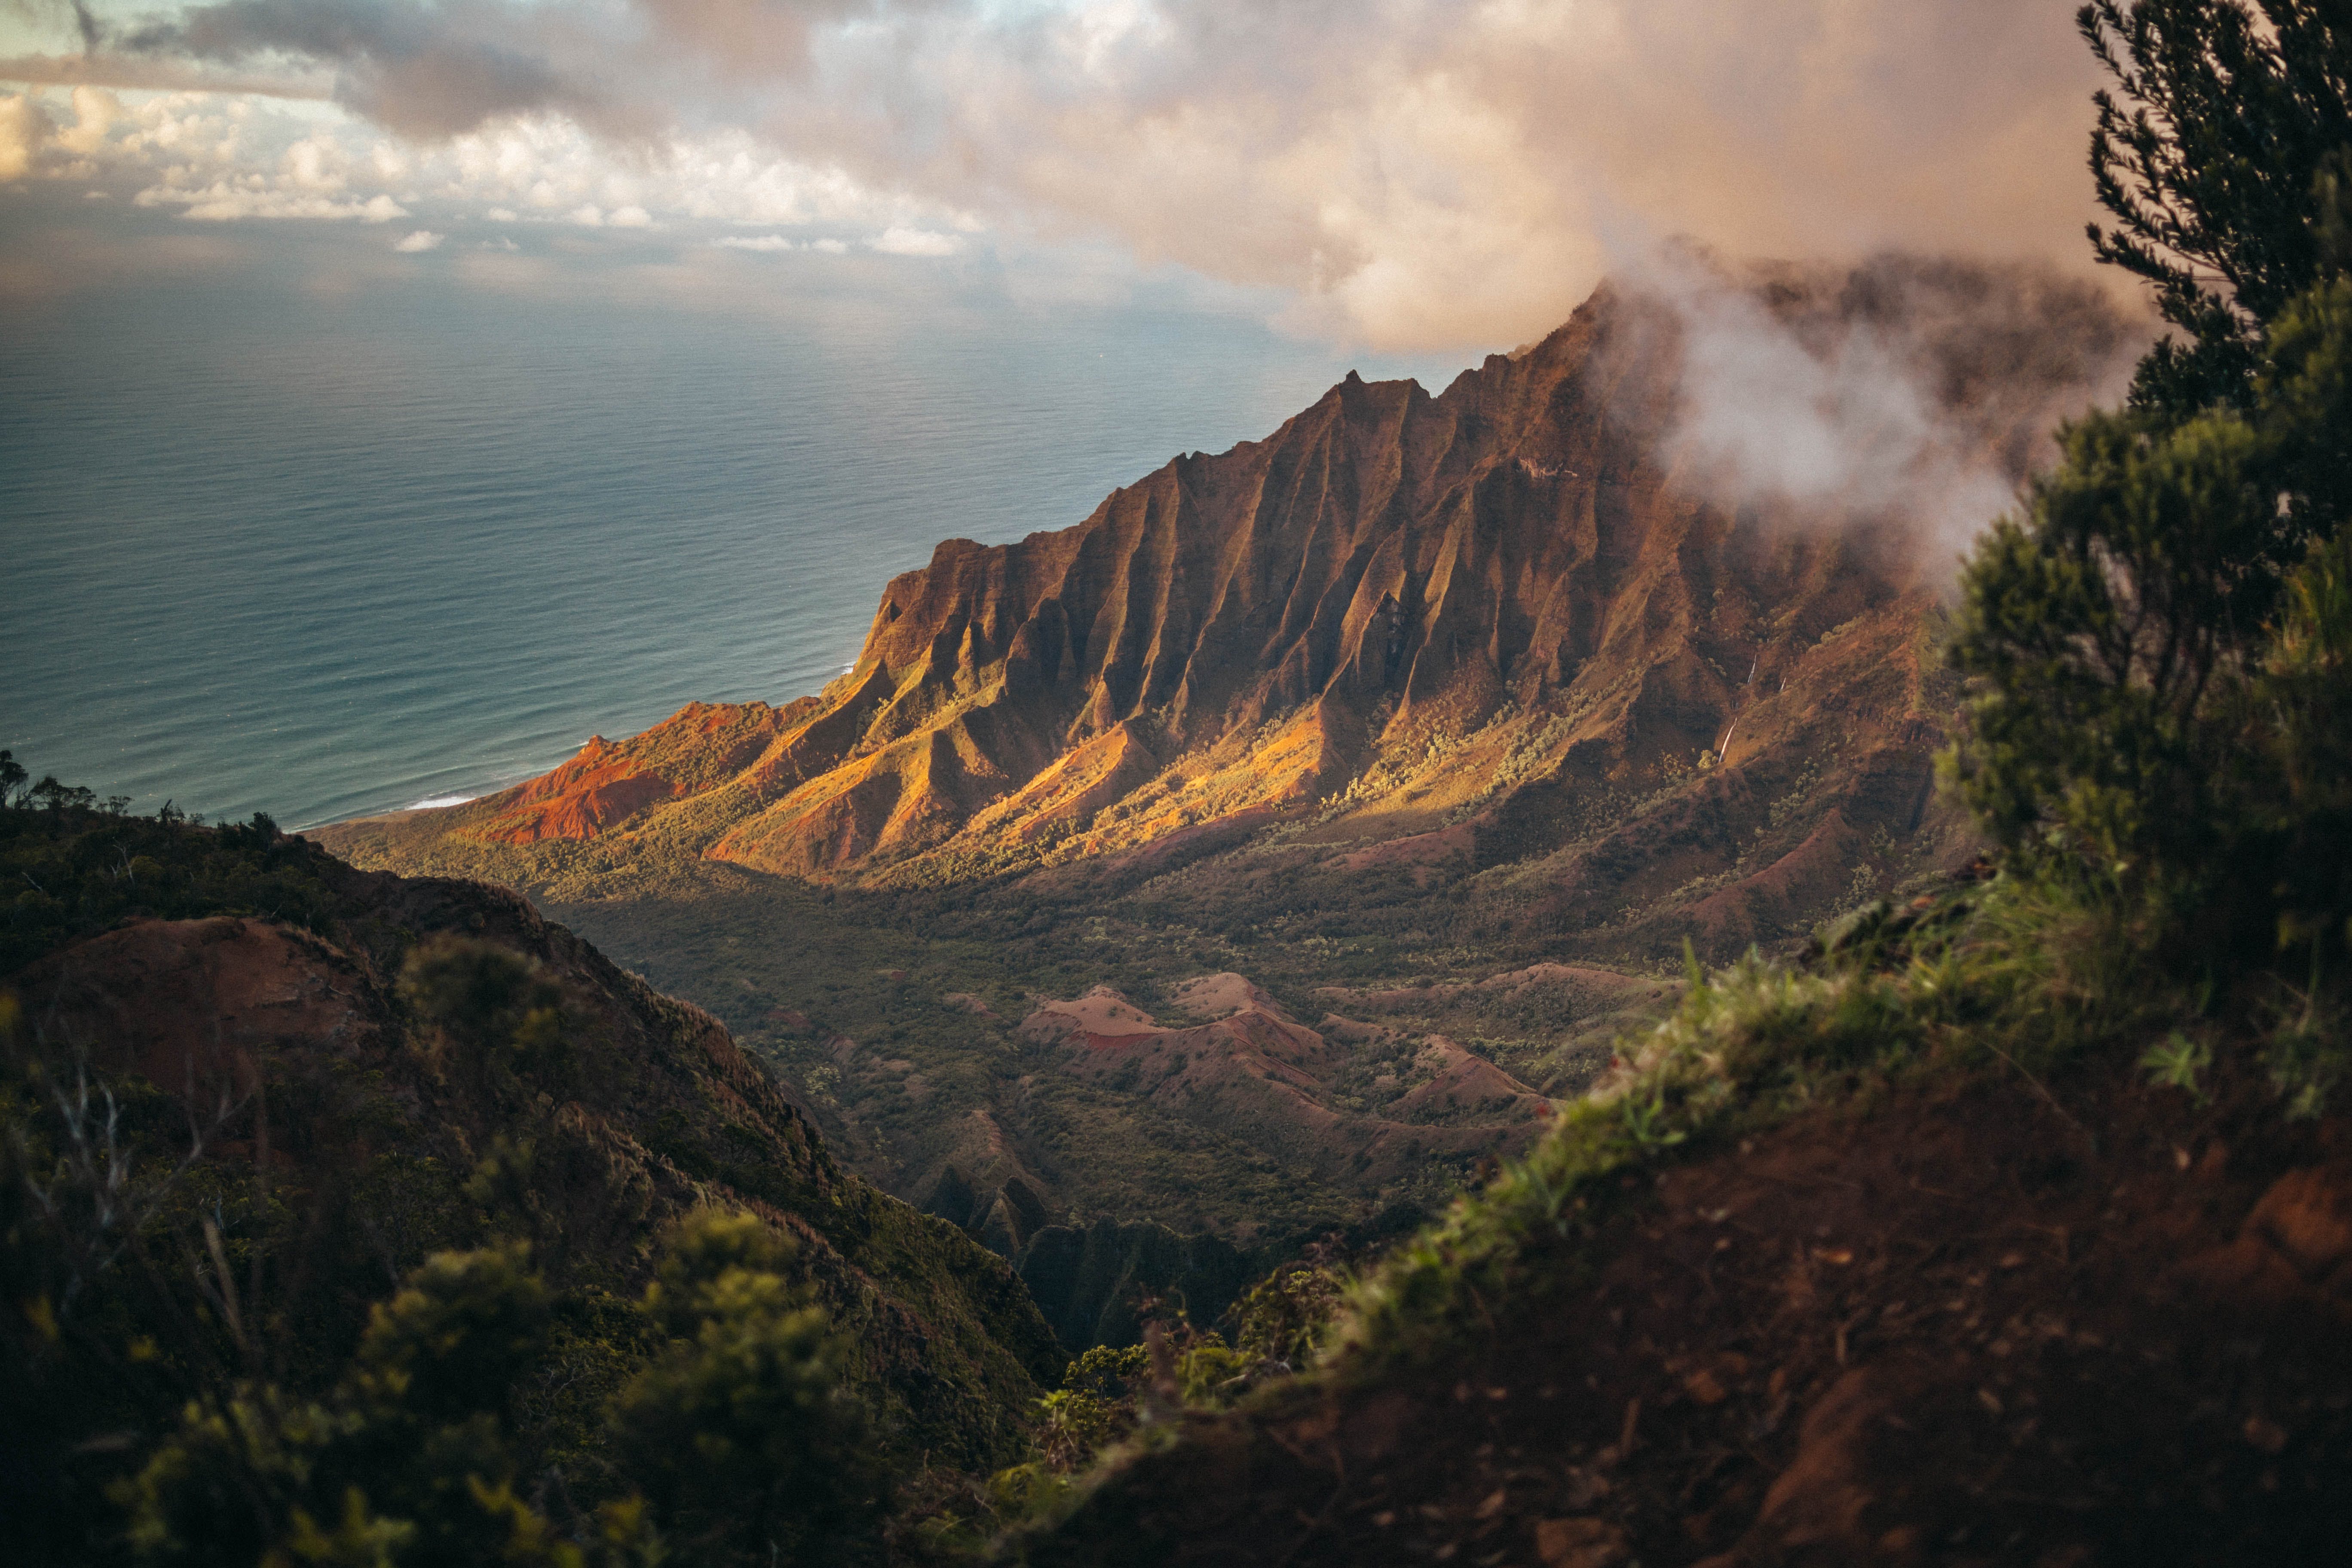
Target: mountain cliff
1506, 623
1444, 720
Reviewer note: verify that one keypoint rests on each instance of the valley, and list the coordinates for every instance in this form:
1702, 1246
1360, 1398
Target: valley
1722, 943
1438, 725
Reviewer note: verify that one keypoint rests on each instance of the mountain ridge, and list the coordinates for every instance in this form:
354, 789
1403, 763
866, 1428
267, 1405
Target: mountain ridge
649, 1110
1398, 612
1413, 696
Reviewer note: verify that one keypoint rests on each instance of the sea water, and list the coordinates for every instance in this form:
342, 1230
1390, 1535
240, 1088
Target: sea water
322, 557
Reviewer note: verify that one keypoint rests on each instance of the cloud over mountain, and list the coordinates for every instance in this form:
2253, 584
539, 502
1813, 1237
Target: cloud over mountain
1410, 173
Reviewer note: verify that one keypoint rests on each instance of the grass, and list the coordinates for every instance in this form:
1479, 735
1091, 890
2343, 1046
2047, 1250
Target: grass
2010, 977
2005, 977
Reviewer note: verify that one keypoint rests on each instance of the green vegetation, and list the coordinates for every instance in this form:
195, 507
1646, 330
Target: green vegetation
1133, 1399
735, 1444
2225, 118
71, 865
380, 1277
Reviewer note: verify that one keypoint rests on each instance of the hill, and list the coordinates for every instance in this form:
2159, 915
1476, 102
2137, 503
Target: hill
1483, 626
1957, 1327
326, 1075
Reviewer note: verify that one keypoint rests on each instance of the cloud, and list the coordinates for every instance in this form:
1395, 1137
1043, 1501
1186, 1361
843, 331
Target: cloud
96, 112
224, 202
1910, 392
164, 75
1420, 172
1408, 174
423, 71
903, 241
230, 156
422, 240
23, 128
761, 242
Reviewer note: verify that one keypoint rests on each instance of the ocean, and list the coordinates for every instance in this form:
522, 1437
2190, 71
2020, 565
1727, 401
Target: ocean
263, 549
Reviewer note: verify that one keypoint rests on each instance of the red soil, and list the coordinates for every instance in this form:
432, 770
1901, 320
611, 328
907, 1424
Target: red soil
599, 787
188, 1004
1967, 1329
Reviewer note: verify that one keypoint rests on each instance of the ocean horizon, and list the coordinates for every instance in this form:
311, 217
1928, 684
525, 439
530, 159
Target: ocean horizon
331, 557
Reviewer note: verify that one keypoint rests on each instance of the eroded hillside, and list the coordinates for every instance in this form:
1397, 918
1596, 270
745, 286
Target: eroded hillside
1388, 714
1521, 622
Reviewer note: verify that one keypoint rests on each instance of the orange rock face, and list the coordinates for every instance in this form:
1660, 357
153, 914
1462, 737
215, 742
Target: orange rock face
609, 783
598, 787
1472, 621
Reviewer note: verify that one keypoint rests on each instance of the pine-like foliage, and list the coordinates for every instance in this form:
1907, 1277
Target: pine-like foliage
2221, 119
2125, 632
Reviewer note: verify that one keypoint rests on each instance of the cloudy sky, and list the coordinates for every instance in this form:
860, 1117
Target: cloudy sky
1401, 175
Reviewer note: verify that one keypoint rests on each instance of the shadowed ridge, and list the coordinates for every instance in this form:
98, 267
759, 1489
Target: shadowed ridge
396, 1124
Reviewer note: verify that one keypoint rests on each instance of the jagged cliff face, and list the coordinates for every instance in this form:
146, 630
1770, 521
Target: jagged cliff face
1482, 624
1441, 719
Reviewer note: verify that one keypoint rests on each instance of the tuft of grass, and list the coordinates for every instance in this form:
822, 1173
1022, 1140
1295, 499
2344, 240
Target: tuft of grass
2177, 1062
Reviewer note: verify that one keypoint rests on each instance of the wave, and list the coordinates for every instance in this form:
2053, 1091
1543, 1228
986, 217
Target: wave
440, 800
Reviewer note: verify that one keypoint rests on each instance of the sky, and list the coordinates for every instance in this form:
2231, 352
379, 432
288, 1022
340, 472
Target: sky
1397, 176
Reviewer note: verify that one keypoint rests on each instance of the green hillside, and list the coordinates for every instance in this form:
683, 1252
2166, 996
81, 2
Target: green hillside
252, 1094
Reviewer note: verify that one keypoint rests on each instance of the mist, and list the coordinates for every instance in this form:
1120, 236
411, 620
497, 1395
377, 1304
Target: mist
1910, 397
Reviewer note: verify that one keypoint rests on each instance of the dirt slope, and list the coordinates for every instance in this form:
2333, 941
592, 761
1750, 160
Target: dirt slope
1957, 1330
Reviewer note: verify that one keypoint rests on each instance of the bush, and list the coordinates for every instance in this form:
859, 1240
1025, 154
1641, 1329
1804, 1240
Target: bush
494, 1013
410, 1459
1280, 1321
739, 1436
2156, 646
2112, 629
735, 1445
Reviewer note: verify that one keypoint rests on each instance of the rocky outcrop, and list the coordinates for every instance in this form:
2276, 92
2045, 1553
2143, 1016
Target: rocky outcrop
1343, 1101
1501, 622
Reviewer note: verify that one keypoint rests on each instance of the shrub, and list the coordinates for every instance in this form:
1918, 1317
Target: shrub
410, 1459
743, 1444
